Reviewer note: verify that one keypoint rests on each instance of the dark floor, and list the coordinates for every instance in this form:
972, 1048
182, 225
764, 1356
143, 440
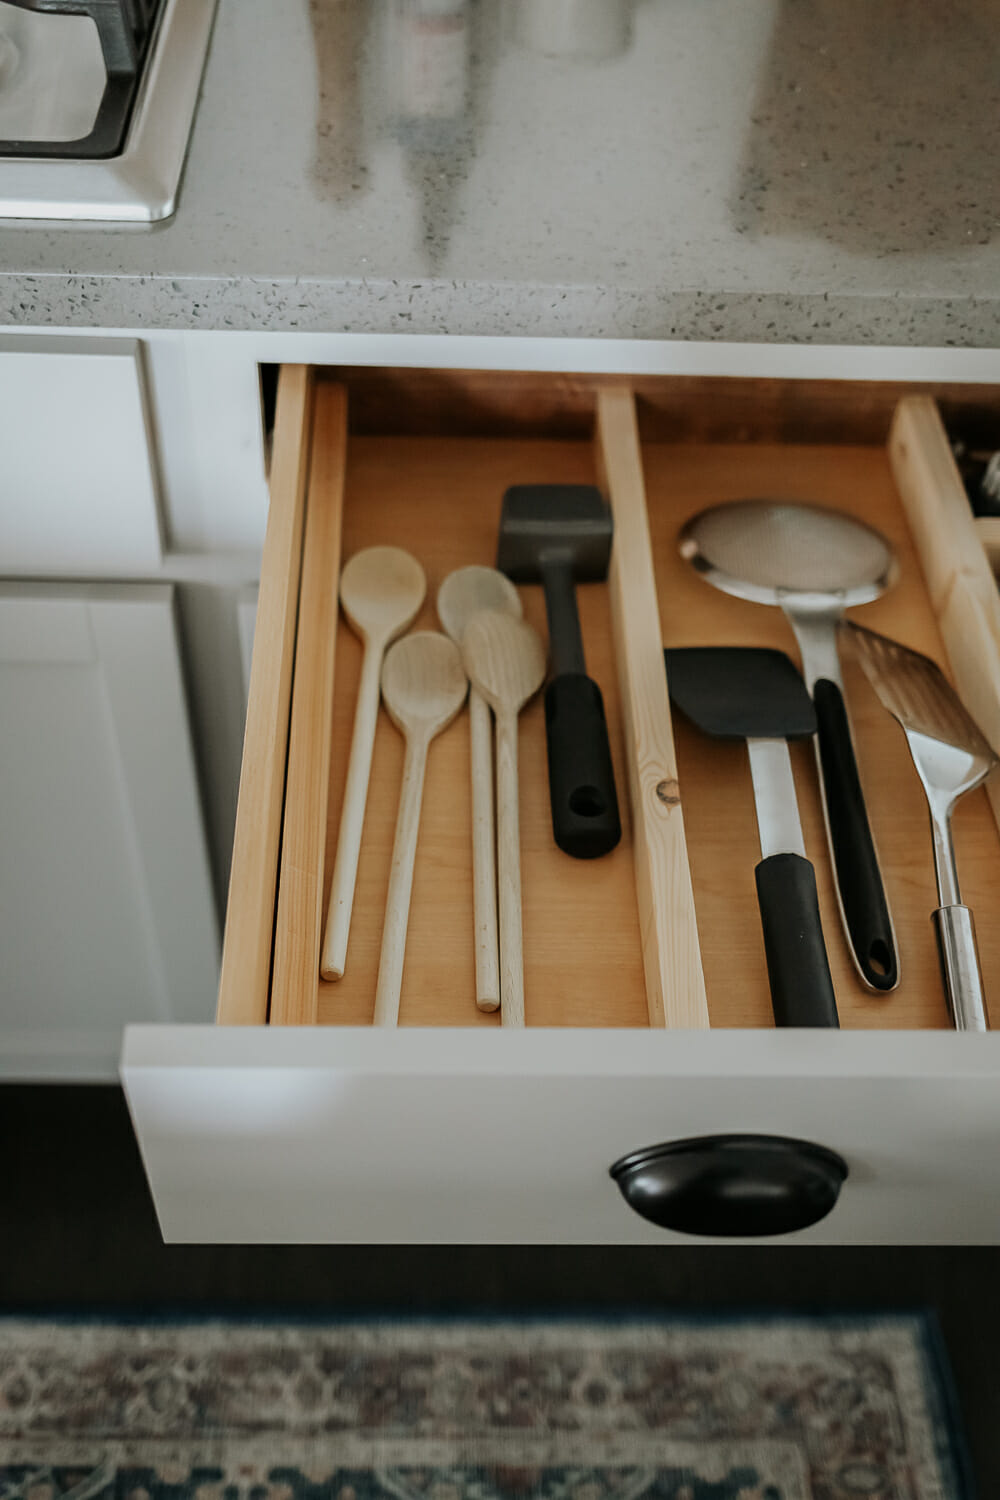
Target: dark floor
78, 1231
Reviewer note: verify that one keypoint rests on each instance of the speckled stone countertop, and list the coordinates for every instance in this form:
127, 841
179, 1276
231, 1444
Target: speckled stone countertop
770, 170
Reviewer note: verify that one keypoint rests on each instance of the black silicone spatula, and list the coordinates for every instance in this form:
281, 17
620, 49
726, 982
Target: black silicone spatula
747, 693
560, 535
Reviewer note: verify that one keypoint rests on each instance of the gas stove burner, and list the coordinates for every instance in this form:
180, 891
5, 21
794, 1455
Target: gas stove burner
59, 62
97, 99
50, 73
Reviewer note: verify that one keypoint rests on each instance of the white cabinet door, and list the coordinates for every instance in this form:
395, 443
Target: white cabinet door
106, 906
79, 488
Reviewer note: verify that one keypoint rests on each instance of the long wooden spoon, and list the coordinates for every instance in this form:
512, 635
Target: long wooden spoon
463, 594
424, 686
381, 591
505, 660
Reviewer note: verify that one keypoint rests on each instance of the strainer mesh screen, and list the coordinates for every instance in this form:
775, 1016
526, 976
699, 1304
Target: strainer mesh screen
791, 546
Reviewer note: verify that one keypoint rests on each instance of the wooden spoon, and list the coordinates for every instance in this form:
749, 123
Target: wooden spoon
424, 686
464, 593
381, 591
505, 660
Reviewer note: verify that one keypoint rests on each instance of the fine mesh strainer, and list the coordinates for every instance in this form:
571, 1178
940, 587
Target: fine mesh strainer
815, 563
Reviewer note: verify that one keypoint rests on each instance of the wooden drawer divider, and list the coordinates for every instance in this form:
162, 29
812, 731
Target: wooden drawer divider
675, 983
253, 879
299, 930
955, 561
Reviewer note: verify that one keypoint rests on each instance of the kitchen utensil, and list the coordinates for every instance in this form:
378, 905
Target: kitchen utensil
424, 686
464, 593
741, 692
381, 591
505, 660
560, 535
815, 563
951, 757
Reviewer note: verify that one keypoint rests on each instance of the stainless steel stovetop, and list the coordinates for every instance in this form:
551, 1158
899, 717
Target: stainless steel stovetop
97, 99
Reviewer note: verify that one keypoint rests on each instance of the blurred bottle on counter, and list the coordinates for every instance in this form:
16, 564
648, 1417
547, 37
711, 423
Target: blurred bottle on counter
429, 67
589, 30
429, 59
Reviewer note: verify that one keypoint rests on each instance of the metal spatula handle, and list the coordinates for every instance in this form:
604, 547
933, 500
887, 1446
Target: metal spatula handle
963, 979
954, 928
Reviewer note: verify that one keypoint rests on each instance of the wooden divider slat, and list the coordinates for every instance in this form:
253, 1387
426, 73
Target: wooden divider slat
246, 952
675, 984
299, 927
955, 562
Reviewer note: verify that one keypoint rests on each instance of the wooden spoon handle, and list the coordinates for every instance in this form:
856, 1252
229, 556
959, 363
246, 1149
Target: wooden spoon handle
397, 904
509, 874
352, 816
484, 872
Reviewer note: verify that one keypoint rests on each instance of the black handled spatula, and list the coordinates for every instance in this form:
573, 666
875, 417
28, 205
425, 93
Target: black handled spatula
559, 535
747, 693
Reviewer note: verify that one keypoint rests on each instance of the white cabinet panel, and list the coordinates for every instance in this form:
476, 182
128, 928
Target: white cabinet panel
206, 394
210, 627
78, 492
107, 912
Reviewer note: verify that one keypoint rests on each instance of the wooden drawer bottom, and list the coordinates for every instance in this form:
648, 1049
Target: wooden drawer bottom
439, 497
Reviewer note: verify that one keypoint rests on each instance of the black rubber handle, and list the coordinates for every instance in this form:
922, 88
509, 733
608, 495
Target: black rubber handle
732, 1185
797, 965
585, 818
859, 880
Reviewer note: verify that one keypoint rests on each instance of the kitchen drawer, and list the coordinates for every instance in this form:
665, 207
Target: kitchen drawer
649, 1020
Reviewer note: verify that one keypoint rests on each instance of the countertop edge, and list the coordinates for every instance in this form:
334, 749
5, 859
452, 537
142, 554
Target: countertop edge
461, 308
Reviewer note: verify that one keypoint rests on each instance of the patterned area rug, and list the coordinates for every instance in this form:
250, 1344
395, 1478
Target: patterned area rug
773, 1409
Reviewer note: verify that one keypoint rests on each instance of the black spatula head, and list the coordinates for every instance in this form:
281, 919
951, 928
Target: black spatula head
740, 692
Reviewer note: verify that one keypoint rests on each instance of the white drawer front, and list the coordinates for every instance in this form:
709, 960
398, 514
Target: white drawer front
332, 1135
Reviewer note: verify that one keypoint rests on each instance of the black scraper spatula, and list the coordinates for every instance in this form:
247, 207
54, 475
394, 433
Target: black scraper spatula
559, 535
747, 693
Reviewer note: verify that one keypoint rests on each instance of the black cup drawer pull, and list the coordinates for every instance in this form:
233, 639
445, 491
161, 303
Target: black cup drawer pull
732, 1185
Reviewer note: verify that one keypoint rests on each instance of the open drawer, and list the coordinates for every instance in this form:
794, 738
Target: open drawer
649, 1020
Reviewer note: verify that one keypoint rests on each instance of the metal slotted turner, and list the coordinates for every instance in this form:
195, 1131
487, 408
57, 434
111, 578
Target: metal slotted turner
951, 757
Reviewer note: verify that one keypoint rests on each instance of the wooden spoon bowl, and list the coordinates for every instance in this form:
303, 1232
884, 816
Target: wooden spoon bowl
468, 591
423, 683
505, 660
381, 591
